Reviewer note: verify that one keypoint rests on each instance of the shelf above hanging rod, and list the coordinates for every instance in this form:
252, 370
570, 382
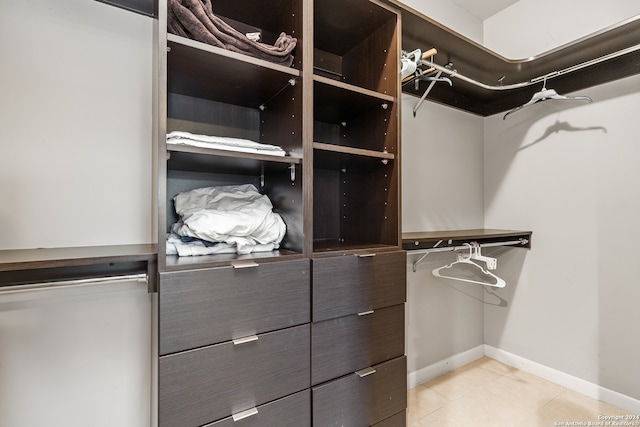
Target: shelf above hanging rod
479, 88
425, 252
417, 243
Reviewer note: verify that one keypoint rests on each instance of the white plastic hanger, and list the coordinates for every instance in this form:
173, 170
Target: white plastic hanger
492, 263
438, 272
545, 94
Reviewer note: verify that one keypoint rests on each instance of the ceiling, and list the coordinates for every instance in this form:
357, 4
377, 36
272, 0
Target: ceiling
483, 9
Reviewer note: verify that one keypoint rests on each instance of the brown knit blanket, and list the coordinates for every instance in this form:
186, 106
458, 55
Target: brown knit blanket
194, 19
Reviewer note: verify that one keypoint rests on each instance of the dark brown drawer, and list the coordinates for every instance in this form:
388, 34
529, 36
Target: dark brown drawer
349, 343
197, 387
205, 307
397, 420
352, 284
362, 399
291, 411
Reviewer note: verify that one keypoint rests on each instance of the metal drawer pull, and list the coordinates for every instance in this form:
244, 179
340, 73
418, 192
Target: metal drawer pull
244, 264
244, 414
245, 340
366, 255
364, 313
366, 372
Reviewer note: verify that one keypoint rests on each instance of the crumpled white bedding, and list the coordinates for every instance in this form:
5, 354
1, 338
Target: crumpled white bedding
237, 216
223, 143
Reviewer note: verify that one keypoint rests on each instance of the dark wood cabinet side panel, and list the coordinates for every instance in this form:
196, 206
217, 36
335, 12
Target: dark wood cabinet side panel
379, 51
291, 411
204, 307
326, 203
350, 343
361, 402
201, 386
349, 284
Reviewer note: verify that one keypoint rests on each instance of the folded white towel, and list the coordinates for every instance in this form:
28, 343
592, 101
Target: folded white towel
223, 143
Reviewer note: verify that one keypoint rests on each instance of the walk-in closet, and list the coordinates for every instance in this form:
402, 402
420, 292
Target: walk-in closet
362, 213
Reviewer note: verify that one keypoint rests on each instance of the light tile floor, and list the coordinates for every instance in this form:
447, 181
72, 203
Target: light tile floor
487, 393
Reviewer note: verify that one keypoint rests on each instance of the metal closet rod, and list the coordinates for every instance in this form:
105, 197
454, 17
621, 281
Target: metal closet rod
73, 283
459, 248
454, 73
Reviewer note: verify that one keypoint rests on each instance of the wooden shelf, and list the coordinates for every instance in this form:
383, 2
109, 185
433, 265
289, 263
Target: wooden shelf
481, 64
53, 264
330, 156
427, 239
177, 263
354, 151
143, 7
330, 246
209, 72
187, 158
336, 102
26, 259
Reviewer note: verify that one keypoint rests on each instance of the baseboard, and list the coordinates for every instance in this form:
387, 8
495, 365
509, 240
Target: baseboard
443, 366
568, 381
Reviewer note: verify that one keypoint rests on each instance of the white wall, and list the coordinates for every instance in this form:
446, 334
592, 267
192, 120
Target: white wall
450, 15
76, 357
442, 171
75, 125
75, 170
531, 27
442, 188
569, 172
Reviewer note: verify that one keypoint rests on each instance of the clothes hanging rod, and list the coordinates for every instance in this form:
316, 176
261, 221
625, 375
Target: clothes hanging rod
73, 283
427, 251
454, 73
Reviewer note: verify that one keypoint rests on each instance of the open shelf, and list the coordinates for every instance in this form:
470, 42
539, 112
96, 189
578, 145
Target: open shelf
209, 72
339, 103
345, 115
225, 161
428, 239
355, 201
363, 54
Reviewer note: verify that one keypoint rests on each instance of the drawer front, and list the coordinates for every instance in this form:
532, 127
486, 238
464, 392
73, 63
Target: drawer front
291, 411
397, 420
352, 284
350, 343
201, 386
204, 307
357, 401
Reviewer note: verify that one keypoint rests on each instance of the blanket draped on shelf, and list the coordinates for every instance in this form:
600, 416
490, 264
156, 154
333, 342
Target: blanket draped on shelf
194, 19
235, 217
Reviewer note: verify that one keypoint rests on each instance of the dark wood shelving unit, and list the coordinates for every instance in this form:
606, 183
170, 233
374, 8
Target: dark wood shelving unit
338, 192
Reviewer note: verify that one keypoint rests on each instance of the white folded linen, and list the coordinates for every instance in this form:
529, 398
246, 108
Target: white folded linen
223, 143
234, 214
